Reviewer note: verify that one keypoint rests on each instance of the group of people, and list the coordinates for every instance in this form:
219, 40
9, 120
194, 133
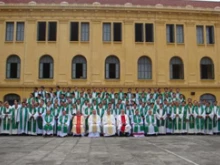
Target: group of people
95, 112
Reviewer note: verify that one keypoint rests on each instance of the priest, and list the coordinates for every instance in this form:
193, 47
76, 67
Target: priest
48, 123
78, 124
41, 111
151, 123
123, 124
22, 119
6, 116
137, 124
109, 125
161, 119
63, 124
94, 123
199, 114
32, 123
177, 118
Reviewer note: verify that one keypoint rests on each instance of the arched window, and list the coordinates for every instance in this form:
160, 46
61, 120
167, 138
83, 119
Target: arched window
208, 97
11, 98
79, 67
46, 67
112, 67
206, 68
13, 67
176, 68
144, 68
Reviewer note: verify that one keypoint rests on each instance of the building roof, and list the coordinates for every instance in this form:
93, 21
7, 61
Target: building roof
173, 3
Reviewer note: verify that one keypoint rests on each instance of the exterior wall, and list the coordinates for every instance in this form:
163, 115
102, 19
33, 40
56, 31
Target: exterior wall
96, 51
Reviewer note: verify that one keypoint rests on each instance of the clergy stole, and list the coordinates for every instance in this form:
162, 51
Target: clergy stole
39, 118
109, 122
137, 119
177, 123
191, 118
123, 123
150, 121
169, 123
184, 111
63, 120
161, 122
48, 126
23, 112
208, 121
199, 121
94, 126
13, 118
215, 120
78, 124
32, 111
6, 120
88, 111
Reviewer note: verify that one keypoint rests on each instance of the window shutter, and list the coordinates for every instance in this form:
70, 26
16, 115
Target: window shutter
213, 71
207, 36
51, 70
182, 71
8, 70
107, 71
117, 70
74, 70
84, 70
18, 70
41, 70
168, 33
171, 71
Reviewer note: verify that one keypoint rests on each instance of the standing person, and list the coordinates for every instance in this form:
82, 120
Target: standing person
32, 123
177, 118
209, 119
109, 125
161, 119
151, 124
200, 114
22, 119
14, 110
184, 110
41, 111
6, 124
123, 123
94, 122
218, 120
48, 123
215, 118
1, 108
137, 125
56, 112
169, 119
63, 124
191, 119
78, 124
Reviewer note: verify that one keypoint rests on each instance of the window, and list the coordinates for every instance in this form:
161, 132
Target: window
79, 66
46, 67
110, 33
112, 67
210, 35
10, 98
206, 68
200, 34
144, 33
176, 68
179, 34
144, 68
208, 97
47, 31
13, 67
77, 28
10, 28
170, 34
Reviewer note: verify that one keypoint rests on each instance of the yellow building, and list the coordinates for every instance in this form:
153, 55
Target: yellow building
96, 44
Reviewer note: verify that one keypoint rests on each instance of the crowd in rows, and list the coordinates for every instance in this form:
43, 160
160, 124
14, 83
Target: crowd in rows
96, 112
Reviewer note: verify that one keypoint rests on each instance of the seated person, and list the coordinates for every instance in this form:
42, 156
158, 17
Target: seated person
78, 124
151, 124
124, 127
137, 125
109, 128
48, 123
94, 123
63, 124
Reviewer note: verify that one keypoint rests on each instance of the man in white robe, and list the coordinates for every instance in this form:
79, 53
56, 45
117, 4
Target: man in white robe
32, 123
199, 114
137, 124
22, 119
109, 125
94, 122
63, 124
48, 123
6, 116
41, 111
177, 118
161, 119
78, 124
209, 119
123, 124
151, 123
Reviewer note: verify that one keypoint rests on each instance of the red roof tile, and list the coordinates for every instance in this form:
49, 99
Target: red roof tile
203, 4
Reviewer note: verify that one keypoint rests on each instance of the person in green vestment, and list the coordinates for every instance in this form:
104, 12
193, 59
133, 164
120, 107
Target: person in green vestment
6, 124
137, 124
41, 111
32, 123
169, 120
199, 113
22, 119
151, 123
191, 118
177, 118
185, 117
1, 107
215, 119
209, 119
14, 110
63, 124
87, 112
161, 115
218, 120
48, 123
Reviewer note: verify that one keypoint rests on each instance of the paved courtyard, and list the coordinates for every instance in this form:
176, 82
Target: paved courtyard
161, 150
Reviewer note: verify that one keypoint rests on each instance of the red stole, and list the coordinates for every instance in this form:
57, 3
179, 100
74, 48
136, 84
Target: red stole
78, 124
123, 122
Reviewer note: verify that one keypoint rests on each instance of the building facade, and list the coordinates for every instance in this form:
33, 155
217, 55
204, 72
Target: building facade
94, 44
